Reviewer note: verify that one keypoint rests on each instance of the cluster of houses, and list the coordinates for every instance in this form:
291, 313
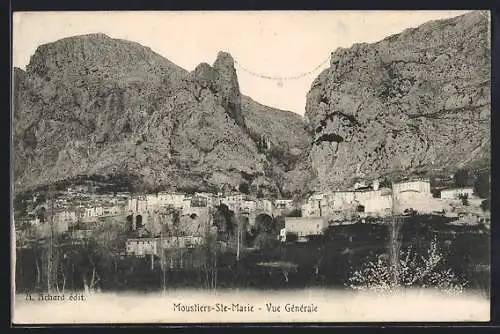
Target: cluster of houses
372, 201
147, 214
152, 246
77, 213
186, 203
74, 212
66, 211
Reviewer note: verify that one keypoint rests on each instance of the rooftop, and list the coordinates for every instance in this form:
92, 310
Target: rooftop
310, 218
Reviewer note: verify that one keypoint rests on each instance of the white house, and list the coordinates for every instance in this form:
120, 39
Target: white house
235, 198
457, 192
373, 201
66, 216
238, 202
137, 204
264, 205
93, 212
112, 210
155, 201
416, 195
141, 246
181, 242
210, 198
186, 204
283, 204
421, 186
379, 205
175, 200
305, 226
248, 206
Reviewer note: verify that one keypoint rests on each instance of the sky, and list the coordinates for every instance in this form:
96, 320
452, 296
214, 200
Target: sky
270, 43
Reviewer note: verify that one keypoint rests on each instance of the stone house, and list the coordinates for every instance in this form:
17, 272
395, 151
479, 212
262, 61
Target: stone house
264, 205
141, 246
137, 204
284, 204
305, 226
414, 194
455, 193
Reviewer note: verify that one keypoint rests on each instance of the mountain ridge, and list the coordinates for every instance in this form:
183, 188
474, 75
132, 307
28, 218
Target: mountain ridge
409, 104
120, 108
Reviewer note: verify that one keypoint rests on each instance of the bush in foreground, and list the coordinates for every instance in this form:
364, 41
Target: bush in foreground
426, 271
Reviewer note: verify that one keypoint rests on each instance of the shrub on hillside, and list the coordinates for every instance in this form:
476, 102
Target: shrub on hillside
244, 188
485, 205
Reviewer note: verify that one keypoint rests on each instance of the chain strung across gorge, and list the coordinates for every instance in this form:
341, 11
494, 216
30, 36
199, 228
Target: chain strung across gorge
281, 79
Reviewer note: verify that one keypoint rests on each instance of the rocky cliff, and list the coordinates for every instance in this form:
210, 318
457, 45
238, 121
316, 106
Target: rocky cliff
412, 103
92, 105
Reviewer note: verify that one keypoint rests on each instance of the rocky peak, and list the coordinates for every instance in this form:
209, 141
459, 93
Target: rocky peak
98, 55
95, 106
228, 88
224, 60
205, 75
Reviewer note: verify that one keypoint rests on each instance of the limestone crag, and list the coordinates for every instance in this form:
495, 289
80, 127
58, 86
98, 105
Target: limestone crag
93, 105
412, 103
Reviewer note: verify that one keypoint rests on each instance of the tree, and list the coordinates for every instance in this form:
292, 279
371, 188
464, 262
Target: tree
461, 178
413, 270
20, 206
385, 183
482, 185
107, 241
244, 188
224, 221
294, 213
485, 205
41, 214
264, 224
265, 241
280, 222
110, 237
129, 224
265, 231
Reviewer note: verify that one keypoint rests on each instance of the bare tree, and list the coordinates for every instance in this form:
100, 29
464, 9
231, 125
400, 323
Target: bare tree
394, 239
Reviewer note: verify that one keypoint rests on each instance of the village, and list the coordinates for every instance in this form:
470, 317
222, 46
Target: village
152, 222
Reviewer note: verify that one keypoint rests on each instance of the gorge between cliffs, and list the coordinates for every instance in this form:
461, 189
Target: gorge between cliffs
94, 107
